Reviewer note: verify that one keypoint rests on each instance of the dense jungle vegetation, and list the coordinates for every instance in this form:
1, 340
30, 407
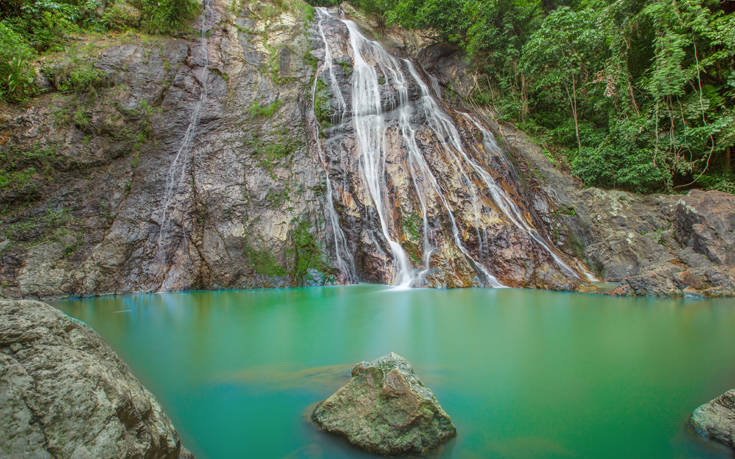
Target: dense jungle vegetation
631, 94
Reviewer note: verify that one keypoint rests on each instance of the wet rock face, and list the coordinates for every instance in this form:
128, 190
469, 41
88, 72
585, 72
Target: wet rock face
716, 419
705, 222
65, 393
189, 168
386, 409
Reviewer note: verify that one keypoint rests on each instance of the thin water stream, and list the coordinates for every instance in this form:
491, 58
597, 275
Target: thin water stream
180, 164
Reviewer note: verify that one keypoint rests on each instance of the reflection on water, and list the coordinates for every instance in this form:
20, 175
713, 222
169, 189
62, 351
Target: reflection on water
282, 377
523, 373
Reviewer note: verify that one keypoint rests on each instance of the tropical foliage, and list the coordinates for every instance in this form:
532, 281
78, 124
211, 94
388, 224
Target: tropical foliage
632, 94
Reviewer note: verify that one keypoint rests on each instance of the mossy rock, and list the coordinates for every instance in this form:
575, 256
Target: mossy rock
386, 409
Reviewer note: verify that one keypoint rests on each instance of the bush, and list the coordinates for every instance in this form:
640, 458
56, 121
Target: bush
166, 16
46, 24
621, 165
121, 16
264, 111
16, 74
74, 75
724, 182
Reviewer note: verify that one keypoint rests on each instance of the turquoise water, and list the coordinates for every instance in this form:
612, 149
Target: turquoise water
523, 373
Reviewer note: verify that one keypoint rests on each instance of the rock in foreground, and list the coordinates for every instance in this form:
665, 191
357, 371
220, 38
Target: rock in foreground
716, 419
384, 408
65, 393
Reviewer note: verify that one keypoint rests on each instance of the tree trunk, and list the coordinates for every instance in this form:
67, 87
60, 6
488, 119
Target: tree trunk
524, 98
573, 103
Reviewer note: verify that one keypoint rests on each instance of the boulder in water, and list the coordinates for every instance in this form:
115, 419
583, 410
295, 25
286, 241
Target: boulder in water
65, 393
716, 419
386, 409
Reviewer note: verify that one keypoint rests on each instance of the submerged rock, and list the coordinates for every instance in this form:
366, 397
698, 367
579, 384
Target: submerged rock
65, 393
386, 409
716, 419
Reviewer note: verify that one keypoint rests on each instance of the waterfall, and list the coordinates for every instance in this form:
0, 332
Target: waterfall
344, 261
369, 126
177, 168
387, 95
421, 172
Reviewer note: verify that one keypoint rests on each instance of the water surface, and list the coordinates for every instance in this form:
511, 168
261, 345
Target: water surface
523, 373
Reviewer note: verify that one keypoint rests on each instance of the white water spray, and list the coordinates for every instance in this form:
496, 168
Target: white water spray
369, 127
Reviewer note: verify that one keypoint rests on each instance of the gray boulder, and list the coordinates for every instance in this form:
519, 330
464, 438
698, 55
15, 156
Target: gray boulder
65, 393
386, 409
716, 419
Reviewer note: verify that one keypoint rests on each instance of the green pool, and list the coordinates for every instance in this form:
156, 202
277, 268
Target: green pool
523, 373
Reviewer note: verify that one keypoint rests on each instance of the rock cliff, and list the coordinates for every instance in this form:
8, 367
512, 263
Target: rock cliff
187, 168
280, 145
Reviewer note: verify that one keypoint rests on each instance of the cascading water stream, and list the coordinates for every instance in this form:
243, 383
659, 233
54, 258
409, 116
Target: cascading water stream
344, 261
179, 165
444, 124
378, 109
491, 145
369, 128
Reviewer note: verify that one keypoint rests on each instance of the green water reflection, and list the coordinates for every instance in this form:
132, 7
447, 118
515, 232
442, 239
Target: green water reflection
523, 373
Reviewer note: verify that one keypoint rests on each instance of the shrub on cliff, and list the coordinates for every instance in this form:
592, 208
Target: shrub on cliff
29, 27
16, 75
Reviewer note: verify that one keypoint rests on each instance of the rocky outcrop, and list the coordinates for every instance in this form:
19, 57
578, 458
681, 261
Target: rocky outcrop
65, 393
666, 245
384, 408
716, 419
705, 223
